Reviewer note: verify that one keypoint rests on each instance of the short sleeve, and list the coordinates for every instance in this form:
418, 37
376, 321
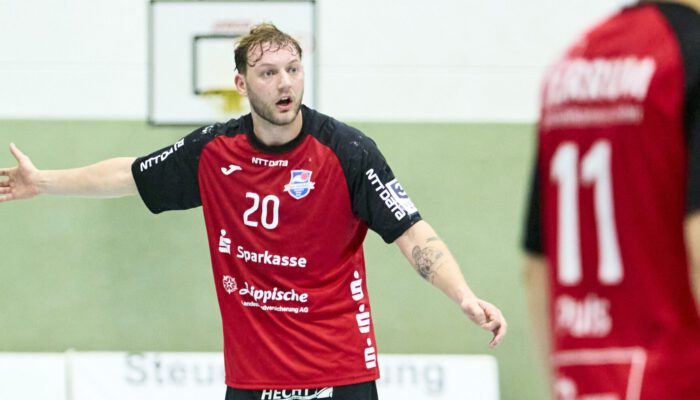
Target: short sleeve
377, 196
167, 179
532, 232
685, 22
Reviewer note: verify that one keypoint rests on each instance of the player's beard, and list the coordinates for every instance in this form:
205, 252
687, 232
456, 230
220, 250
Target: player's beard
268, 112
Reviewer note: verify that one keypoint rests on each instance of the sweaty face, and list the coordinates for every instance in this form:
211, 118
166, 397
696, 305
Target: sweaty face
275, 84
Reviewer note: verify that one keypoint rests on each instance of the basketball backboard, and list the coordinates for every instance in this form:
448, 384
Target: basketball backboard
191, 58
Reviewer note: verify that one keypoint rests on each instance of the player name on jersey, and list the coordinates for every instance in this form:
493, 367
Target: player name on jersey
600, 79
587, 317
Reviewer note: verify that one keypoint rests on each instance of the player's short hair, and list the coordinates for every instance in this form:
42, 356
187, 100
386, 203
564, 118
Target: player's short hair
251, 47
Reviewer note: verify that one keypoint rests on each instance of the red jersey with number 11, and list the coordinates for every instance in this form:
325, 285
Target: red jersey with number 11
619, 114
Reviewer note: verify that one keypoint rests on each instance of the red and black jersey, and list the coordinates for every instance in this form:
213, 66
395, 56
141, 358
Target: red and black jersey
286, 226
618, 168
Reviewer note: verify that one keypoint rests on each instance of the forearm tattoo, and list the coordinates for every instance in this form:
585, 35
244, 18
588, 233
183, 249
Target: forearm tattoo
425, 260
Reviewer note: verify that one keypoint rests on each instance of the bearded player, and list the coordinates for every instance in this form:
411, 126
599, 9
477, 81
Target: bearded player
288, 195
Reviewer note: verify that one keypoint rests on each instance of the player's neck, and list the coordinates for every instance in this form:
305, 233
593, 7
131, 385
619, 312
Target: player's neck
275, 135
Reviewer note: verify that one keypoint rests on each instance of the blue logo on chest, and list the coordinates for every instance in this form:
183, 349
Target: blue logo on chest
300, 184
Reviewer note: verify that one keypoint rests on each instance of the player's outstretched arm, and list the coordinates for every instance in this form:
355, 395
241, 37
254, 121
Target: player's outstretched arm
109, 178
431, 258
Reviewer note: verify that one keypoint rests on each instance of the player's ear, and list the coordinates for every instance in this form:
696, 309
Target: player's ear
241, 86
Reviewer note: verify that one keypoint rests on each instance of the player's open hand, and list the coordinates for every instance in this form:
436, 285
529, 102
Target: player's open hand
20, 182
487, 316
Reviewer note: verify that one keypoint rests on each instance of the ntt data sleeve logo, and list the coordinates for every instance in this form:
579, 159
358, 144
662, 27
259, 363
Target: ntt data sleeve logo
300, 184
392, 194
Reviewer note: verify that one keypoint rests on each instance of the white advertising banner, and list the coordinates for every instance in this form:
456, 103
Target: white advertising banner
147, 376
187, 376
438, 377
29, 376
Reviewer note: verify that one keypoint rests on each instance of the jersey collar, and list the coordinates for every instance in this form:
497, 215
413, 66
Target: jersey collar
282, 148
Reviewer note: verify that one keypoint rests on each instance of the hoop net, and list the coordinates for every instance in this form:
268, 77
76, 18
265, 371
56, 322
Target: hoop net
230, 100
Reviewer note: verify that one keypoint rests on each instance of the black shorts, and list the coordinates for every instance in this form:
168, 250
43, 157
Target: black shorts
359, 391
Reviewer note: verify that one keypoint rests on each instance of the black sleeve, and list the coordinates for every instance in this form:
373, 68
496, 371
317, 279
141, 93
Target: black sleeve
378, 198
693, 201
167, 179
532, 235
376, 195
685, 22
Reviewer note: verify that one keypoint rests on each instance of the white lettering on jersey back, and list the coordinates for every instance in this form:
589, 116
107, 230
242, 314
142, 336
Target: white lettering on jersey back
269, 163
393, 195
599, 79
581, 318
268, 258
162, 156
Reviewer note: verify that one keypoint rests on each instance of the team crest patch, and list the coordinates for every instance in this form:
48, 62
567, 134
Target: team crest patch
300, 184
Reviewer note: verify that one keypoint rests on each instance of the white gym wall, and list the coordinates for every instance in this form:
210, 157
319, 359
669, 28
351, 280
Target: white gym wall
378, 60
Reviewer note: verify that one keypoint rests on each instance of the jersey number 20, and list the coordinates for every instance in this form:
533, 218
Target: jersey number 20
595, 170
269, 211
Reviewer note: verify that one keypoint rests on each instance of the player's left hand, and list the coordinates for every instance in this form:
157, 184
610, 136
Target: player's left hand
487, 316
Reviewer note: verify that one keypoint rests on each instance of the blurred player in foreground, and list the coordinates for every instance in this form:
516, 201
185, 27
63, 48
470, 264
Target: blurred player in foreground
288, 195
613, 232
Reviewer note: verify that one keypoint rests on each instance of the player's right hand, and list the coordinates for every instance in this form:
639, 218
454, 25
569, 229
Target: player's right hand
20, 182
487, 316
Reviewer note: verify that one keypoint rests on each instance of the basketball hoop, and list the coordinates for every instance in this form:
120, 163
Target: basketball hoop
231, 101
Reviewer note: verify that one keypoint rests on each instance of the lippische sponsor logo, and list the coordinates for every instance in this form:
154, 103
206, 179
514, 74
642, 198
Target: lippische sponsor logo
273, 295
263, 295
393, 195
162, 156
